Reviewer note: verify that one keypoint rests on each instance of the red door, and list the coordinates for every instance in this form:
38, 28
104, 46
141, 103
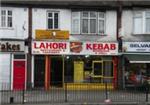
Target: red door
19, 75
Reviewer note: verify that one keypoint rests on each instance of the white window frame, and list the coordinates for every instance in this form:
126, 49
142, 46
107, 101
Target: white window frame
95, 18
76, 18
103, 19
146, 22
82, 21
6, 18
143, 13
89, 18
53, 12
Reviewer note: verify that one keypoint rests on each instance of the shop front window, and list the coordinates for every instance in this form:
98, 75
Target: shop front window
92, 69
135, 74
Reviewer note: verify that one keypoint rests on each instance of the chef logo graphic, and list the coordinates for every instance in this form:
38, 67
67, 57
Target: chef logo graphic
76, 47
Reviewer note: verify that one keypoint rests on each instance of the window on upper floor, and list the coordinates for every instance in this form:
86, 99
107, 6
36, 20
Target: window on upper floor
6, 19
53, 20
88, 22
141, 22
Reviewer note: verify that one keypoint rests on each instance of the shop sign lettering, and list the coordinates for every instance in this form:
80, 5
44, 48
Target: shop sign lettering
97, 48
50, 47
140, 45
11, 46
136, 46
100, 46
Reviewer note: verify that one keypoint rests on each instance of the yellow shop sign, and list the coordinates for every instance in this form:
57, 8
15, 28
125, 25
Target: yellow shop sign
51, 34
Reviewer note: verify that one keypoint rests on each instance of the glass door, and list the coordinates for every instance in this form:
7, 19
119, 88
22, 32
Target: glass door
108, 72
97, 71
102, 71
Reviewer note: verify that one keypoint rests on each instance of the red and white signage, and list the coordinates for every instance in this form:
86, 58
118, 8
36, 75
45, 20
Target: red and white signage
74, 48
94, 48
45, 47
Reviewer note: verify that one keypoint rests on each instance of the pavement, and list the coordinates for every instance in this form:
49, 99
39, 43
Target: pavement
75, 98
113, 103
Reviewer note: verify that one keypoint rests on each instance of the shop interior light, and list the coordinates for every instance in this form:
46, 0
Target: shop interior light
86, 56
67, 57
54, 33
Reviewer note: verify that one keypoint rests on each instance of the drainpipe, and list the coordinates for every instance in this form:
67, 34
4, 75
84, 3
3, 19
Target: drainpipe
120, 76
119, 19
29, 55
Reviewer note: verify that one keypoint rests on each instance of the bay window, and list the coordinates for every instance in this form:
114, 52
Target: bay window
88, 22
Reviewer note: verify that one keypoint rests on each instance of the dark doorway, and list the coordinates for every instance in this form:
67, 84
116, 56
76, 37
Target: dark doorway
39, 70
56, 71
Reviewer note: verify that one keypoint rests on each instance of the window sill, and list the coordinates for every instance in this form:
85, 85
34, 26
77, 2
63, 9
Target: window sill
141, 34
1, 28
53, 29
89, 34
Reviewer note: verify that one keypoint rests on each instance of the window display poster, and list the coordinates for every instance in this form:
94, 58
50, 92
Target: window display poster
78, 71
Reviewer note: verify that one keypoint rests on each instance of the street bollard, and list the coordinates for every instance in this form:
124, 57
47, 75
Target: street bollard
107, 100
65, 92
106, 91
11, 100
23, 97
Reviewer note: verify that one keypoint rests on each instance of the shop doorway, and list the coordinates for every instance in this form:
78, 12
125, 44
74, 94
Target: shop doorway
56, 71
39, 70
97, 71
103, 71
19, 72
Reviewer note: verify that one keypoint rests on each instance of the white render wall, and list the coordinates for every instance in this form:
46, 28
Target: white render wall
111, 30
20, 20
127, 28
39, 19
39, 22
5, 71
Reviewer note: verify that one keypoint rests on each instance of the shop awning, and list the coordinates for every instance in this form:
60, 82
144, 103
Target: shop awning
138, 58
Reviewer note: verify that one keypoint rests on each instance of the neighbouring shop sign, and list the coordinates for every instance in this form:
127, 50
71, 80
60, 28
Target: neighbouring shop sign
136, 46
74, 48
12, 46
